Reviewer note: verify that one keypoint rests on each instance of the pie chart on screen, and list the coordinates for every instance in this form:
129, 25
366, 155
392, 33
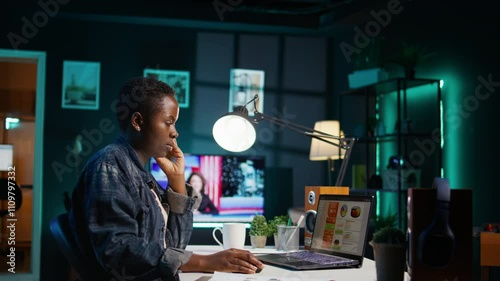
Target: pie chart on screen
355, 211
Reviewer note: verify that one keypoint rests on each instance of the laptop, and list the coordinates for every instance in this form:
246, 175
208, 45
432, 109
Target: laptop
338, 239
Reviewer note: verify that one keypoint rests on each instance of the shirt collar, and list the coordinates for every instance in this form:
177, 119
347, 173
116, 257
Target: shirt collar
121, 141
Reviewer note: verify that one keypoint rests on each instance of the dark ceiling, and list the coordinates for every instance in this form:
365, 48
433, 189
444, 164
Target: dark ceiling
291, 13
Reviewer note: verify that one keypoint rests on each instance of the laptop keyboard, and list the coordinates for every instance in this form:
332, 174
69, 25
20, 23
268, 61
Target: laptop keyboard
318, 258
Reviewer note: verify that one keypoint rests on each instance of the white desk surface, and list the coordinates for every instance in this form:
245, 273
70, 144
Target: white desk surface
366, 273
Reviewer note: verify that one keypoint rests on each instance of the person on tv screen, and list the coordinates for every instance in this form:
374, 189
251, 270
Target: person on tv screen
127, 226
198, 182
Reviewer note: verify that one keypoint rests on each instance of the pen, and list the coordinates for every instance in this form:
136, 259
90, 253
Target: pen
300, 220
294, 230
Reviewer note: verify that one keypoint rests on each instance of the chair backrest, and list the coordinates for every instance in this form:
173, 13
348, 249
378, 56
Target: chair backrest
61, 231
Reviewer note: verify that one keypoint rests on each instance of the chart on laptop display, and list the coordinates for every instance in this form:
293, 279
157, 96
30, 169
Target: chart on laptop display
341, 225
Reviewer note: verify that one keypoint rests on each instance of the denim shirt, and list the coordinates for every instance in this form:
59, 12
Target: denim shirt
118, 223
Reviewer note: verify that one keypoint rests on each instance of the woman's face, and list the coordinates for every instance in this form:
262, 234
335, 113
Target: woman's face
196, 183
159, 128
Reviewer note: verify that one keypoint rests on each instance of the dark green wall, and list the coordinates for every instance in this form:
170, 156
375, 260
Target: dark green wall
466, 45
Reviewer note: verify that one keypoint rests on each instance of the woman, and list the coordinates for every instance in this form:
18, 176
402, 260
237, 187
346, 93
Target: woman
121, 218
198, 182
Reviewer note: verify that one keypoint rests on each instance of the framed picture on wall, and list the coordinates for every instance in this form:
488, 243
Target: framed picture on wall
178, 80
80, 88
244, 85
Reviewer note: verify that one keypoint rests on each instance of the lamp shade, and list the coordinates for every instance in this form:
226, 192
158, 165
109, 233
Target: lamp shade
321, 150
234, 132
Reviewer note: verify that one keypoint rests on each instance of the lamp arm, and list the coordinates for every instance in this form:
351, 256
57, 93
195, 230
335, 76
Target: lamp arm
301, 129
343, 166
282, 122
346, 143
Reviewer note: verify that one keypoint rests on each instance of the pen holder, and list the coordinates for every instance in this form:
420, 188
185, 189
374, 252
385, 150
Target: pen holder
288, 238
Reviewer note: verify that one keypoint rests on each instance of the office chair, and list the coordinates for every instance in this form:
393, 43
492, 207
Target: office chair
87, 271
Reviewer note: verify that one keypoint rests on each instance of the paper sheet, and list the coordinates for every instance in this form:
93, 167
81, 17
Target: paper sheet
223, 276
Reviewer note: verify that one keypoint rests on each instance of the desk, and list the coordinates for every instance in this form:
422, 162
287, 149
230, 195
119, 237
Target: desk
490, 253
366, 273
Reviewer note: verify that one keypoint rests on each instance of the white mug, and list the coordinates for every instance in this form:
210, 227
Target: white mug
233, 235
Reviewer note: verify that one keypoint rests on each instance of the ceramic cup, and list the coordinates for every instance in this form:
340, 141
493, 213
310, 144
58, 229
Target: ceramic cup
233, 235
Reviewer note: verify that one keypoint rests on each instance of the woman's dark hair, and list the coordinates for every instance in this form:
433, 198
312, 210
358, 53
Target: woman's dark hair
203, 181
140, 94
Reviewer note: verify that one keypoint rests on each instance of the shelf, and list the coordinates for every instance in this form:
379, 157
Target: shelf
392, 137
387, 86
371, 190
375, 148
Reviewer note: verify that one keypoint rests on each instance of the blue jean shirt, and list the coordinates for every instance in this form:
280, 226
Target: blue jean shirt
118, 222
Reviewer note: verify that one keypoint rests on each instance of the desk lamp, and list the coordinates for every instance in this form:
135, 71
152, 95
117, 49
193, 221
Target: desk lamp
235, 132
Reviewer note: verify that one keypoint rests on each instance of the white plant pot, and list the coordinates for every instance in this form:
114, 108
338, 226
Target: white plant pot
258, 241
361, 78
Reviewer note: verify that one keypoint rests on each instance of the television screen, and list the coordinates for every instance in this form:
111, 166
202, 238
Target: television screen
234, 186
6, 156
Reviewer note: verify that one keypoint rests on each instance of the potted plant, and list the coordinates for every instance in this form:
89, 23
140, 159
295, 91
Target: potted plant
384, 221
389, 248
410, 56
367, 66
258, 231
272, 226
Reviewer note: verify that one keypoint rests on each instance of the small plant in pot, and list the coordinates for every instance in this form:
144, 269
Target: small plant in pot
384, 221
389, 248
258, 231
367, 65
410, 56
272, 226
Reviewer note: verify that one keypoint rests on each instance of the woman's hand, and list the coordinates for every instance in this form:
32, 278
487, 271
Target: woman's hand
173, 166
231, 260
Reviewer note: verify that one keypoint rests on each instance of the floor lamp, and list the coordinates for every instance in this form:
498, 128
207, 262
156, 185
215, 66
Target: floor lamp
321, 151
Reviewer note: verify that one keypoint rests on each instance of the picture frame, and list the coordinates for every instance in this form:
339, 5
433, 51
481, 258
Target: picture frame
177, 79
244, 85
80, 85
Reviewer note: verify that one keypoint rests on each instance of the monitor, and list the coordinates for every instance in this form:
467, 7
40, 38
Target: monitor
233, 183
6, 156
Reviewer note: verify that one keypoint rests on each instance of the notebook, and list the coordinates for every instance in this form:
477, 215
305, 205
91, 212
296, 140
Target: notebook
338, 239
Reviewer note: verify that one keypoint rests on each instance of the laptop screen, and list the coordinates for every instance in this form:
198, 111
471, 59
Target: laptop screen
342, 224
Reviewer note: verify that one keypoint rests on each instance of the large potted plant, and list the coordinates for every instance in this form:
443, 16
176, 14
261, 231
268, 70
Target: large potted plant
389, 248
258, 231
